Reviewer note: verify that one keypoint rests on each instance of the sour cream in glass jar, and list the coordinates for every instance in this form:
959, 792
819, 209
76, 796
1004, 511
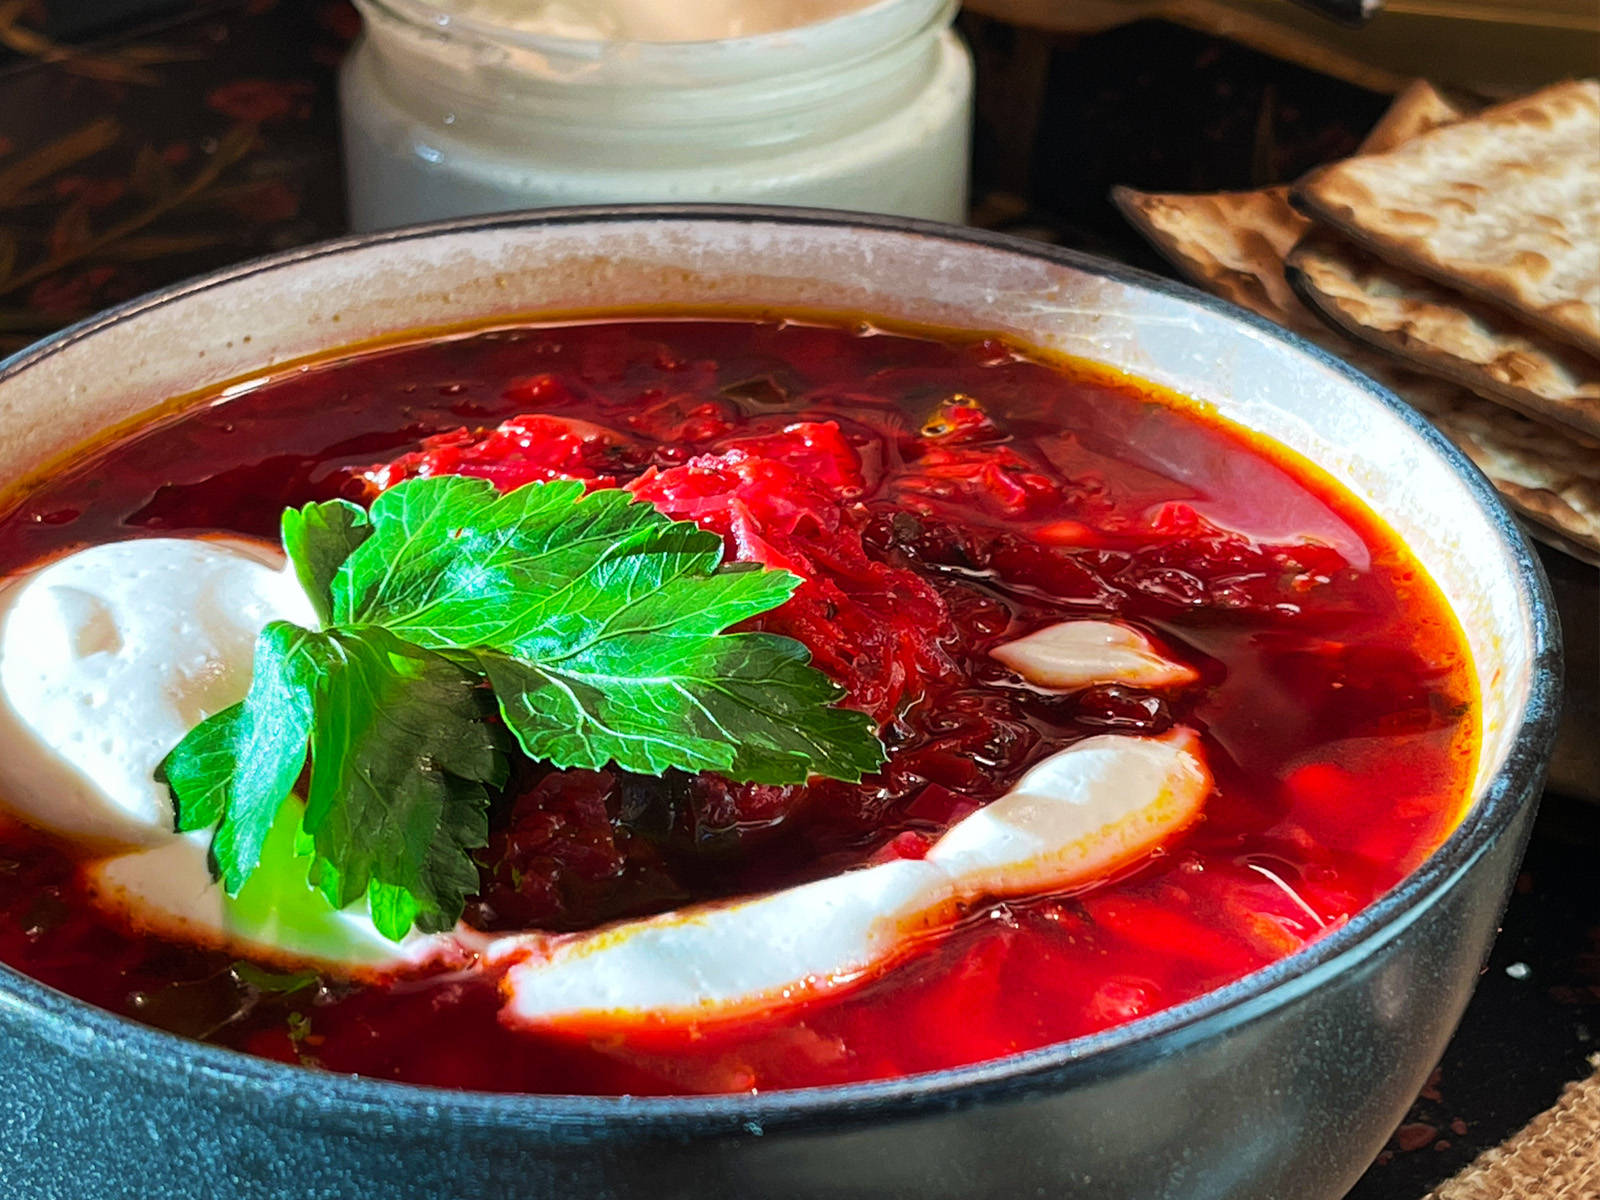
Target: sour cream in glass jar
454, 107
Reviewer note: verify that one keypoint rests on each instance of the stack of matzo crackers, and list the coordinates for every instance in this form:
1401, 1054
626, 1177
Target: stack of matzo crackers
1456, 259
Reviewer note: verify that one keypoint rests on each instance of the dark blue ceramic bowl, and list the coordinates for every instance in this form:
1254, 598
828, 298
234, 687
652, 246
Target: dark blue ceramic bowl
1283, 1084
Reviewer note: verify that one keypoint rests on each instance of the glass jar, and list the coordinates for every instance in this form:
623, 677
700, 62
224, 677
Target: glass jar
450, 115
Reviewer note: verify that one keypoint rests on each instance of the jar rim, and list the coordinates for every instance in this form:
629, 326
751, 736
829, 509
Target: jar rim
892, 15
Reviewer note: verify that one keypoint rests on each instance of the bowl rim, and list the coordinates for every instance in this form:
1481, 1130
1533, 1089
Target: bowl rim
1051, 1068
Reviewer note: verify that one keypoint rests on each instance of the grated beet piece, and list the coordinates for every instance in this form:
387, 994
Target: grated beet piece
785, 500
561, 862
534, 448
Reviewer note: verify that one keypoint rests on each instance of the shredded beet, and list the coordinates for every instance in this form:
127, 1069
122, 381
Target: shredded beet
882, 607
788, 500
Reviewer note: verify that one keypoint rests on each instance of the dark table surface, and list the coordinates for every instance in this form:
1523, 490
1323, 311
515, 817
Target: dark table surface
145, 140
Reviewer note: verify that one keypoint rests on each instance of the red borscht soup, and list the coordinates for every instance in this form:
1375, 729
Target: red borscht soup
940, 497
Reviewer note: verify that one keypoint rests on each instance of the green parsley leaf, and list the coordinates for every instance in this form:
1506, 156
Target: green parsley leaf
746, 705
400, 753
237, 766
318, 538
595, 618
453, 564
600, 625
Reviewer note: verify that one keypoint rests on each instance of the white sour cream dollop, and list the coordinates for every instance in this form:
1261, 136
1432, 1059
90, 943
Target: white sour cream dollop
1076, 817
1080, 654
108, 657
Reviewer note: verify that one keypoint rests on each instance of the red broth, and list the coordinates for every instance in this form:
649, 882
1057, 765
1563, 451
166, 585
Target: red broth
985, 492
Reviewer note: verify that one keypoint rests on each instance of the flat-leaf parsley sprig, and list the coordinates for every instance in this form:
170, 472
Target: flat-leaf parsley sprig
599, 625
